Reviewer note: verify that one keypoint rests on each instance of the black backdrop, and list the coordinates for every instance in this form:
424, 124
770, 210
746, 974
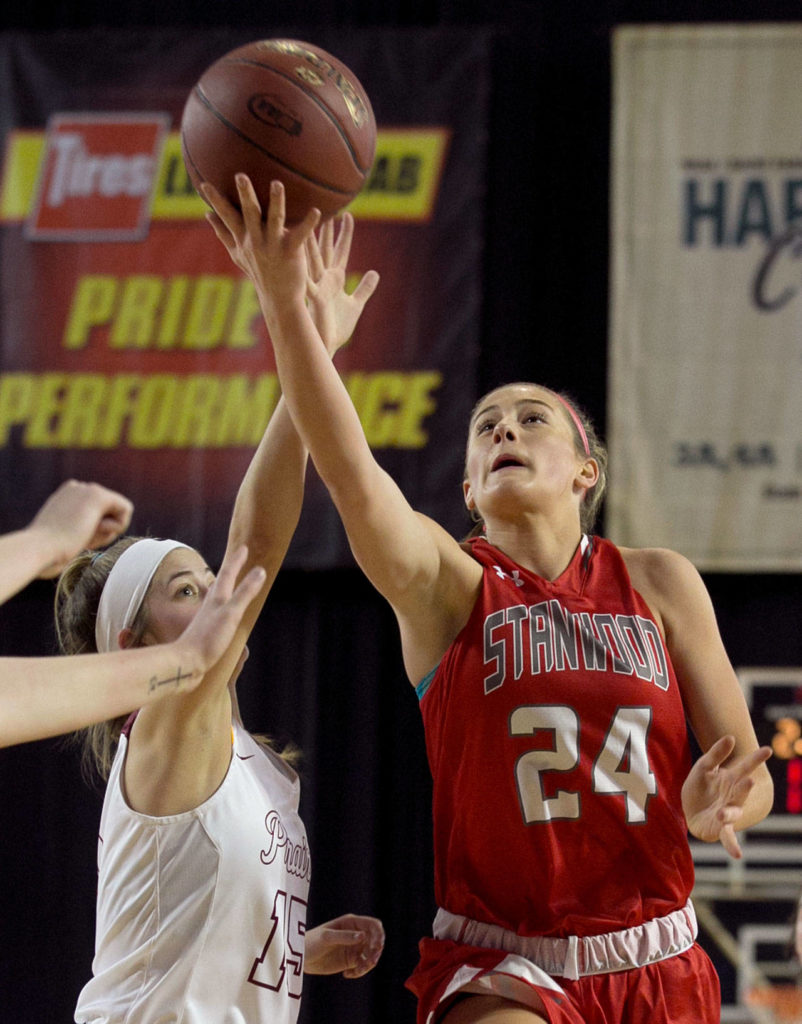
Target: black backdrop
325, 666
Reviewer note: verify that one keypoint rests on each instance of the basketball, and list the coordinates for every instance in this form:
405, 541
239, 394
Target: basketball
280, 109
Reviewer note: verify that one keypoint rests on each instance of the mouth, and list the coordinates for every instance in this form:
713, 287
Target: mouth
505, 462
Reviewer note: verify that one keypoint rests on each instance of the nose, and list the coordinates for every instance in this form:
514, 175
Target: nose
504, 431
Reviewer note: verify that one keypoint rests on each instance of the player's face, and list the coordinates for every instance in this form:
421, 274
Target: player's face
175, 595
521, 449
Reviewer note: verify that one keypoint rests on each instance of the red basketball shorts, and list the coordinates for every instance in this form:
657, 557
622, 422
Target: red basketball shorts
682, 989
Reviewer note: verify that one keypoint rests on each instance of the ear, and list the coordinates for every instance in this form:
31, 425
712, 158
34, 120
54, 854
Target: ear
125, 638
467, 494
588, 475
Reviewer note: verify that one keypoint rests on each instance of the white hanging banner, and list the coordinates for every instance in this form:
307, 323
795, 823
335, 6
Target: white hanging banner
705, 385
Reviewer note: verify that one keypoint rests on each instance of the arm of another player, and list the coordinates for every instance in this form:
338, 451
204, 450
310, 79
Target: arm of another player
195, 728
76, 516
42, 697
729, 787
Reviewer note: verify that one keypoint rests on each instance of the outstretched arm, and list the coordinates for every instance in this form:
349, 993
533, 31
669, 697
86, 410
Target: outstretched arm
269, 500
421, 570
195, 727
42, 697
76, 516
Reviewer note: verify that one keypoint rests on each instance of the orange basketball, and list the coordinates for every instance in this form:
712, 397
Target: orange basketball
280, 108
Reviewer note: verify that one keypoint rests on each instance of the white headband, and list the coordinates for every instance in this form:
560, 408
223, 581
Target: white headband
125, 588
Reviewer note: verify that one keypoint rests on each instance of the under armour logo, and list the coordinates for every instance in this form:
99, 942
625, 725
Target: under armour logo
516, 576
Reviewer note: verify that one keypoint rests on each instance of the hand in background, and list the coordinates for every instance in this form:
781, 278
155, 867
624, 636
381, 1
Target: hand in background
76, 516
714, 793
335, 312
349, 945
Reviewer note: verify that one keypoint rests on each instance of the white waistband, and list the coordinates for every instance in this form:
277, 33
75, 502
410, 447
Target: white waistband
576, 957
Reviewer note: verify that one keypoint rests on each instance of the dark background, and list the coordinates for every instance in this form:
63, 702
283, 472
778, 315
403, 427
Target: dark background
325, 668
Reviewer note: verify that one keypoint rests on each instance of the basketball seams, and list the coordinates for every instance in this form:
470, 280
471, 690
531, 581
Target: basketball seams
188, 157
299, 84
207, 103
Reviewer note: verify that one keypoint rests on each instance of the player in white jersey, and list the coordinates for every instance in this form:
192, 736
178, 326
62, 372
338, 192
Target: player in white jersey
203, 861
44, 696
216, 929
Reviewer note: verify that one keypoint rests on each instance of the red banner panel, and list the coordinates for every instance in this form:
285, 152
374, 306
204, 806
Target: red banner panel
132, 351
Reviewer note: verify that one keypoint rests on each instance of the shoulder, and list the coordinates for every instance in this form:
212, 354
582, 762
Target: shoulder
668, 581
661, 567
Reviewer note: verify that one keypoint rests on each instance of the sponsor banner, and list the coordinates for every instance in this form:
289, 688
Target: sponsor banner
705, 385
133, 352
96, 177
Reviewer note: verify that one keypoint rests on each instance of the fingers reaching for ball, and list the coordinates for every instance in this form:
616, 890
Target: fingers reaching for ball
223, 216
249, 215
269, 252
250, 205
276, 216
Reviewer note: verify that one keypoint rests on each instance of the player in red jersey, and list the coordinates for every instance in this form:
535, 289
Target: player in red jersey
555, 672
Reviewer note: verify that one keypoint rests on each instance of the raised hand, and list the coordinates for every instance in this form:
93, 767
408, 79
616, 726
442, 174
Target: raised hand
272, 255
714, 793
76, 516
335, 311
349, 945
211, 631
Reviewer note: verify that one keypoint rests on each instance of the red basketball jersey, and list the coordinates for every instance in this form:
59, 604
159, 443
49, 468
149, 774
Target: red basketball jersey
557, 741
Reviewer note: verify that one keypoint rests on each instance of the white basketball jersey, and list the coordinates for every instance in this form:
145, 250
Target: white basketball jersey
201, 916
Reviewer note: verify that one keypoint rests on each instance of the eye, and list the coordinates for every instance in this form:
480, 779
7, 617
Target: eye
483, 426
186, 590
534, 417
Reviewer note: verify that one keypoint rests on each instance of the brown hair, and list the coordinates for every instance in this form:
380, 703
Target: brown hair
596, 450
77, 597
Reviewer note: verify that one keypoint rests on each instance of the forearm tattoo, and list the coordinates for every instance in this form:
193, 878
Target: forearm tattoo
176, 680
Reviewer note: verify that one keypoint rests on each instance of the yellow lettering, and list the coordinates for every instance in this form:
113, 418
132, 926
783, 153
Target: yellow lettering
92, 410
92, 305
167, 334
247, 408
145, 311
120, 403
206, 319
241, 331
194, 418
383, 397
16, 400
48, 406
392, 406
83, 401
150, 422
418, 405
136, 316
